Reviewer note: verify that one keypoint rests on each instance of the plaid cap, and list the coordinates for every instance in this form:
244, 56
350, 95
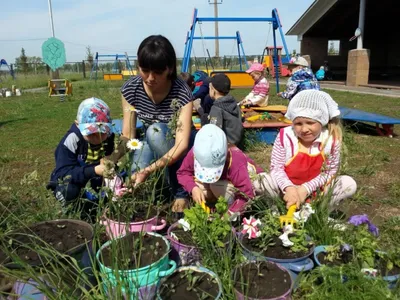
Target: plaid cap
94, 117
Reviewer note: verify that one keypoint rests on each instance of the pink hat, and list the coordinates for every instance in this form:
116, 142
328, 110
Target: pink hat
255, 67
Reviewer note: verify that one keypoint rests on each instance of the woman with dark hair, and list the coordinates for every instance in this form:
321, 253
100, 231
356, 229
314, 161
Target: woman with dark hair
163, 102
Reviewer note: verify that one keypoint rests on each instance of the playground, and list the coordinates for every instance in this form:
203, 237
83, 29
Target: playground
215, 258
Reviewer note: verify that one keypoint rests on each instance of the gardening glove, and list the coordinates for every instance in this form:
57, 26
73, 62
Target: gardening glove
120, 151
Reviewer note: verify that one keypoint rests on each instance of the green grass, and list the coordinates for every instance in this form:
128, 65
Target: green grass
32, 125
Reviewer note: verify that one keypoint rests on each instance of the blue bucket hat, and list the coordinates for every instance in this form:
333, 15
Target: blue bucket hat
210, 149
94, 117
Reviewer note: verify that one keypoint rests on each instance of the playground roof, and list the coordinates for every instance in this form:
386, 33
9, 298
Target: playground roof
311, 16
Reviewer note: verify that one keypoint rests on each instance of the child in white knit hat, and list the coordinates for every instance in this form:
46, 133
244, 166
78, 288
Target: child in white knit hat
306, 156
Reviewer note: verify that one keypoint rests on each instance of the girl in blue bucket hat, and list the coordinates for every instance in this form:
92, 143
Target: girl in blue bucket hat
79, 154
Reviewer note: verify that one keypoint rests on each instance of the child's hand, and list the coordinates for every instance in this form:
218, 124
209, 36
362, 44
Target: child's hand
198, 195
99, 169
196, 104
302, 191
279, 94
291, 197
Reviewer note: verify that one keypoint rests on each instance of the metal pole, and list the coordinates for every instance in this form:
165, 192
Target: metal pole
51, 18
216, 29
215, 3
361, 21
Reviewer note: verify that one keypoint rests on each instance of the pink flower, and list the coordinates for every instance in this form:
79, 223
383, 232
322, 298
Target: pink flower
250, 227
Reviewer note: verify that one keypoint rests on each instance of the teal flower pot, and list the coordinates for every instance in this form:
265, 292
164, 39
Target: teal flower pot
131, 281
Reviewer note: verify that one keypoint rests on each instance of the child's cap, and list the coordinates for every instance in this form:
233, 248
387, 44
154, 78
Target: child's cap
313, 104
209, 149
255, 67
221, 83
94, 117
298, 61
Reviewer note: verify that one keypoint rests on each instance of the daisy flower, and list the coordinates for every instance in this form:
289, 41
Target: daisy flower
134, 144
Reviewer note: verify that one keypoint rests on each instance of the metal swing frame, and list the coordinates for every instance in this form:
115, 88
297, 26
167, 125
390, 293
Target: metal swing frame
274, 19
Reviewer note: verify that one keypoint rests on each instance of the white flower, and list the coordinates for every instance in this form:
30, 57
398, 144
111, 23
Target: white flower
185, 224
134, 144
285, 236
304, 213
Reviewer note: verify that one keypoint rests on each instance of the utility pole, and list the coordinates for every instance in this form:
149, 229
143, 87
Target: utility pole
54, 74
215, 3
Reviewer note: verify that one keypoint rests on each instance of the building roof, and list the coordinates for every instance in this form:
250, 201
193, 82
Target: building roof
311, 16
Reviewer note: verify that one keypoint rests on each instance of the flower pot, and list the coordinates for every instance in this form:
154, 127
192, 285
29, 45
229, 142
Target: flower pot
80, 249
197, 269
28, 290
185, 254
115, 228
294, 265
277, 274
134, 279
390, 279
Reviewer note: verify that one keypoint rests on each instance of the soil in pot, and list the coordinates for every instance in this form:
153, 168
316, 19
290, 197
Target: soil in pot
344, 258
133, 251
262, 280
63, 236
277, 251
140, 214
184, 237
189, 285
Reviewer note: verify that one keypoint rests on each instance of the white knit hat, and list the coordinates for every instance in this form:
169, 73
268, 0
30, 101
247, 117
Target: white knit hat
298, 61
313, 104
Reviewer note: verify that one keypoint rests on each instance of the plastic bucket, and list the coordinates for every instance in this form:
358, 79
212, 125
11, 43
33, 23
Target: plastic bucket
294, 265
115, 229
285, 296
136, 278
187, 254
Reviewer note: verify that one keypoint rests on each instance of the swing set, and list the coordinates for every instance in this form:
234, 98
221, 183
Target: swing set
239, 79
116, 73
4, 62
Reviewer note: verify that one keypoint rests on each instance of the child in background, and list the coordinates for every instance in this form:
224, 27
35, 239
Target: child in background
259, 94
320, 73
225, 113
212, 169
306, 156
302, 78
79, 154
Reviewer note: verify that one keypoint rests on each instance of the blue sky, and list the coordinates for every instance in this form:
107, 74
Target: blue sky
118, 26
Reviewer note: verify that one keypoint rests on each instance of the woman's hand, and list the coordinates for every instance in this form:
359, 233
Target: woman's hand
139, 177
198, 195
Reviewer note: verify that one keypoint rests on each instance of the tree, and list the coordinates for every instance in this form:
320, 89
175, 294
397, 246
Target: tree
294, 53
89, 56
22, 62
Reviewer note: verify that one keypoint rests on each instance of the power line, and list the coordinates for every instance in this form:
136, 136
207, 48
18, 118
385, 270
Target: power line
24, 40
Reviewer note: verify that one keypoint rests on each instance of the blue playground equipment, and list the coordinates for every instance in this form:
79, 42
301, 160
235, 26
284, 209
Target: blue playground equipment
239, 43
356, 115
3, 62
275, 23
115, 68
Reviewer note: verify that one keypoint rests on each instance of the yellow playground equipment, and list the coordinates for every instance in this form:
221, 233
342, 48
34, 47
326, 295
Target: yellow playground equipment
113, 76
59, 87
239, 79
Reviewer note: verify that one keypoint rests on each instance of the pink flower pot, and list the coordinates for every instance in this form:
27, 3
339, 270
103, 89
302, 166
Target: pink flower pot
115, 229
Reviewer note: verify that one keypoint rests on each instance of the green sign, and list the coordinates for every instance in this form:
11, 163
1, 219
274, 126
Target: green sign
53, 53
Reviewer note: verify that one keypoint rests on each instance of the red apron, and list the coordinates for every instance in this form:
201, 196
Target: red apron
304, 167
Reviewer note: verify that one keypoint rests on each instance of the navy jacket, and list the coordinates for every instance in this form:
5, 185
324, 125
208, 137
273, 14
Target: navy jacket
71, 157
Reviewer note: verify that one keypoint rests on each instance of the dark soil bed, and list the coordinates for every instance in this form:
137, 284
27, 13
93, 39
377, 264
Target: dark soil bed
189, 285
345, 258
276, 251
263, 280
62, 236
133, 251
184, 237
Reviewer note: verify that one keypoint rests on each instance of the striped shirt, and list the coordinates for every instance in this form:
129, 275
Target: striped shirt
259, 93
286, 147
149, 112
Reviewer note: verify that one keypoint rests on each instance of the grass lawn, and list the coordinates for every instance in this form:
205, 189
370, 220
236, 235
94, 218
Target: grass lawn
32, 125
